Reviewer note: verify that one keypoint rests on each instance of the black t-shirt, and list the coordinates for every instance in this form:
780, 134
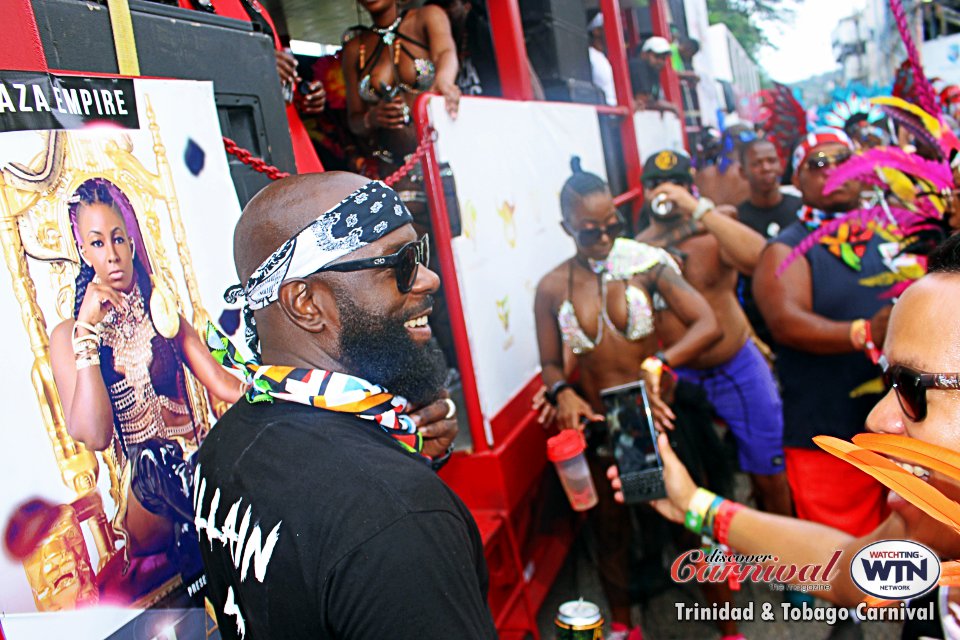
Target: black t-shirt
770, 221
644, 78
315, 524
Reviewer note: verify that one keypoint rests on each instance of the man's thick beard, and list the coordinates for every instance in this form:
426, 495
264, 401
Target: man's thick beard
380, 350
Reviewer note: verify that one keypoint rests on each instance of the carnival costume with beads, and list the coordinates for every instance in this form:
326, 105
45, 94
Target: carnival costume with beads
143, 375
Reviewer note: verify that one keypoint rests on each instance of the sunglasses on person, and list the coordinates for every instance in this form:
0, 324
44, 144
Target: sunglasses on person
821, 159
911, 386
592, 235
405, 263
653, 183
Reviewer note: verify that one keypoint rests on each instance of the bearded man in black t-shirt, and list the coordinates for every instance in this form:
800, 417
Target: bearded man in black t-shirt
318, 511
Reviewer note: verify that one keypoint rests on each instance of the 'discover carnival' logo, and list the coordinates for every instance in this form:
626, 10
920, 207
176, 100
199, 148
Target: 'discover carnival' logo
895, 569
721, 566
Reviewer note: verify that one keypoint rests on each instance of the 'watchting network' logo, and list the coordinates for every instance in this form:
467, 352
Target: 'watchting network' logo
895, 569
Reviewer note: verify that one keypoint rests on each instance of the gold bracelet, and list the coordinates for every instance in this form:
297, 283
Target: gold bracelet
858, 334
88, 361
80, 324
654, 366
90, 337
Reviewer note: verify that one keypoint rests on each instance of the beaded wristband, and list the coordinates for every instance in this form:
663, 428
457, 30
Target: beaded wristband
697, 509
711, 516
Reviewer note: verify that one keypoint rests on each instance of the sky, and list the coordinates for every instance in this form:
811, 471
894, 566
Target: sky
804, 44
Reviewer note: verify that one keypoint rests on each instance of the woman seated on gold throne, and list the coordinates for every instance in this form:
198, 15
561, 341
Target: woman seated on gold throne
123, 389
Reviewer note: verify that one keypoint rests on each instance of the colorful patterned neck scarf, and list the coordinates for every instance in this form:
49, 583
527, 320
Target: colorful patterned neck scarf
848, 241
321, 389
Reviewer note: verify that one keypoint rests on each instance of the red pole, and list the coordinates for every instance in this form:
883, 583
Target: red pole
617, 55
440, 221
512, 63
668, 76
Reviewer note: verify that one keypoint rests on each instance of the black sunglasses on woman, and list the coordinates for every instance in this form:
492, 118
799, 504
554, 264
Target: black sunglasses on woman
592, 235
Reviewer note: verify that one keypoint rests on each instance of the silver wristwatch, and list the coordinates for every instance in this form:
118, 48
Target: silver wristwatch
703, 206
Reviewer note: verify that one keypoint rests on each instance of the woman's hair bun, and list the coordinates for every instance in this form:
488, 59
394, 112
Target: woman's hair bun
575, 164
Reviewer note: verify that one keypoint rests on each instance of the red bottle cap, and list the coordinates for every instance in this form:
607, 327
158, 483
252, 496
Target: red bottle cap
565, 445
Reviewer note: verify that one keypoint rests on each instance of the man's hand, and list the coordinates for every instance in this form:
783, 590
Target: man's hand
313, 102
680, 486
573, 412
286, 67
437, 430
663, 105
683, 201
548, 412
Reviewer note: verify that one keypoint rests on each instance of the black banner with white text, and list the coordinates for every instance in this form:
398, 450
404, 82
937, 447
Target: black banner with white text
41, 101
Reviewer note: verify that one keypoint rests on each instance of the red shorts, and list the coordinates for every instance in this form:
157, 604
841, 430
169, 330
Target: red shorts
835, 493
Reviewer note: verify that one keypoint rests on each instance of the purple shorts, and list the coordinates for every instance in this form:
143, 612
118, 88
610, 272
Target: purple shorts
744, 393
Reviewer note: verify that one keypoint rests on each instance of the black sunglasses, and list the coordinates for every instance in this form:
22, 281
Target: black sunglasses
405, 263
592, 235
653, 183
822, 160
911, 386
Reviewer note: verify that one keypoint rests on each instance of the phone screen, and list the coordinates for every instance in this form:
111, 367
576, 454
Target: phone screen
634, 443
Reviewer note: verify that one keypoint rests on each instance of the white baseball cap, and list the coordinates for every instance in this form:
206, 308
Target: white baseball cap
656, 45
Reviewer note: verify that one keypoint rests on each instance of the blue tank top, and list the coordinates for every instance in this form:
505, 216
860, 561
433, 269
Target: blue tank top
816, 388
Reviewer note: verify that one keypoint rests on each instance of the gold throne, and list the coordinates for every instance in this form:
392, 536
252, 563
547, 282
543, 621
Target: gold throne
36, 237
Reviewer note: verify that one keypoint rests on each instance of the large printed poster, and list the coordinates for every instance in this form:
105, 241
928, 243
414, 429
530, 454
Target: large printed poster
510, 160
145, 195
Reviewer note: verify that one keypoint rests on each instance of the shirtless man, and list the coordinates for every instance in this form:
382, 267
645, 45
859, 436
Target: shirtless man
733, 372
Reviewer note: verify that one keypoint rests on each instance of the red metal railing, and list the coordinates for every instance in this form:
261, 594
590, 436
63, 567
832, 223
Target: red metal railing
617, 55
440, 220
511, 50
668, 75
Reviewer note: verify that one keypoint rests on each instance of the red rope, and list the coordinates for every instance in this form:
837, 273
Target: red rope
428, 138
257, 164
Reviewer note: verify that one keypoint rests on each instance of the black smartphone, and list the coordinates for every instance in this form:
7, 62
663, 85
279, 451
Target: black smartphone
633, 440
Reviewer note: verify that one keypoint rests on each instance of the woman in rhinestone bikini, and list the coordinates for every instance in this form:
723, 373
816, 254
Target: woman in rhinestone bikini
122, 384
600, 306
386, 66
